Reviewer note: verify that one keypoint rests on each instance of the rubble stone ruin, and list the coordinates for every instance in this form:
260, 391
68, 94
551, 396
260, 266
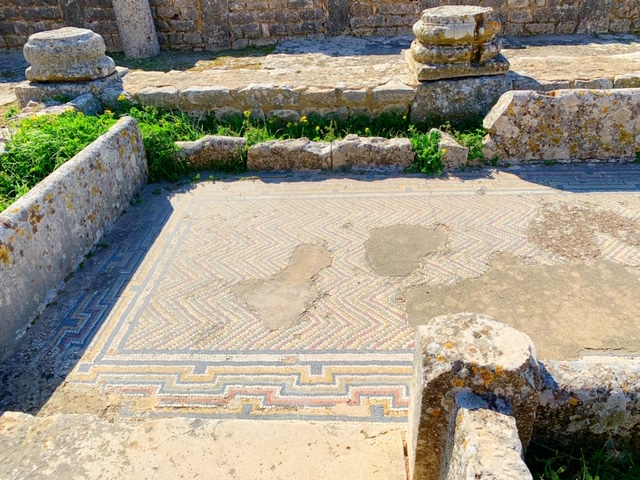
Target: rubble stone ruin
456, 41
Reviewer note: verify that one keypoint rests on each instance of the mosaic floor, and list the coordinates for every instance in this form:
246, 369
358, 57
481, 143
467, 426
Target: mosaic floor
153, 316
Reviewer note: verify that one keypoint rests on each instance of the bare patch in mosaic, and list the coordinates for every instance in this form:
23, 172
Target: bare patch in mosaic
567, 310
396, 251
281, 299
570, 230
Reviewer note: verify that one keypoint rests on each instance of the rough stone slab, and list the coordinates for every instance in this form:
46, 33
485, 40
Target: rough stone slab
565, 125
629, 80
204, 98
45, 234
160, 97
472, 352
83, 446
603, 83
454, 155
424, 72
485, 443
298, 154
39, 92
594, 398
211, 150
355, 151
458, 100
67, 54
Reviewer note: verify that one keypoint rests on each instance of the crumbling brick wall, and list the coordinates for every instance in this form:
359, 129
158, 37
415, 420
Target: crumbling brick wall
218, 24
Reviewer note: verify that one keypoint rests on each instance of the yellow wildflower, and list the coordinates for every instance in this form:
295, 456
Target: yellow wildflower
122, 97
444, 150
246, 113
303, 119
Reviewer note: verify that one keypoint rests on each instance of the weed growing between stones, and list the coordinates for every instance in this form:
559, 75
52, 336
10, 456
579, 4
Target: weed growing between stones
579, 462
39, 145
428, 155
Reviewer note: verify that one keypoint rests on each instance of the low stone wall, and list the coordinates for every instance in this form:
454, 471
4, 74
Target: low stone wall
216, 24
45, 234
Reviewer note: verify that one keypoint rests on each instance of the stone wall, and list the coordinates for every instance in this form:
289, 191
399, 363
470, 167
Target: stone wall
532, 17
217, 24
46, 234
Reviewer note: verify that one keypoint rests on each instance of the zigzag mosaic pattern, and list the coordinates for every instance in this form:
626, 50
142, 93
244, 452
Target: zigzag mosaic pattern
171, 337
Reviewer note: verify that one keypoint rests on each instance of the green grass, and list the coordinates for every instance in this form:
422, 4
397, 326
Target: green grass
39, 145
578, 462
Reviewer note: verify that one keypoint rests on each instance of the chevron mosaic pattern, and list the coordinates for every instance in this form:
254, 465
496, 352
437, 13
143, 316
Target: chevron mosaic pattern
166, 331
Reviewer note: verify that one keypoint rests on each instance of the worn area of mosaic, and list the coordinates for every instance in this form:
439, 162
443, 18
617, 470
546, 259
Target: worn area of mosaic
171, 316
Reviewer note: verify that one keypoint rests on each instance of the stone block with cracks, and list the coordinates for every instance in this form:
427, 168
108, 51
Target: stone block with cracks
475, 353
456, 41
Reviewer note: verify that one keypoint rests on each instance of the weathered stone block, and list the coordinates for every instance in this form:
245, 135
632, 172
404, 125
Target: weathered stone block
628, 80
160, 97
204, 98
427, 72
67, 55
456, 25
485, 443
393, 92
60, 219
354, 97
298, 154
211, 150
593, 399
475, 353
355, 151
318, 97
284, 115
564, 125
265, 96
27, 91
454, 155
458, 100
602, 83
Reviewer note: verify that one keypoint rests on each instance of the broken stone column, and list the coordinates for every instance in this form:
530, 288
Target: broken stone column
456, 41
67, 62
136, 27
67, 54
474, 353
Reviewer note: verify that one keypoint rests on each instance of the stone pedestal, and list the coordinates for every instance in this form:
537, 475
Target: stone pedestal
136, 27
456, 41
67, 55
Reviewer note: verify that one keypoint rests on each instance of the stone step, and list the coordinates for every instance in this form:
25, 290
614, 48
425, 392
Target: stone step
86, 447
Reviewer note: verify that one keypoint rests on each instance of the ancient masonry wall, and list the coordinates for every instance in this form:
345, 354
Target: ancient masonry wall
218, 24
